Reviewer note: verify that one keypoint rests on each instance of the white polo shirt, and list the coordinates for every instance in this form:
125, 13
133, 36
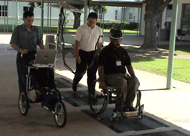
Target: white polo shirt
88, 37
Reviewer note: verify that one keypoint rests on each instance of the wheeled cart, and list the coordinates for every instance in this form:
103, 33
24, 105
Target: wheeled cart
38, 82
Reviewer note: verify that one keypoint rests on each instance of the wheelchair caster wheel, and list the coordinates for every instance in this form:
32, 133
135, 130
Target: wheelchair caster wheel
98, 118
112, 119
140, 117
142, 108
114, 115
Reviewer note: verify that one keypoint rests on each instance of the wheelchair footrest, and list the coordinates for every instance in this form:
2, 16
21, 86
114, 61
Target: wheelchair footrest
130, 114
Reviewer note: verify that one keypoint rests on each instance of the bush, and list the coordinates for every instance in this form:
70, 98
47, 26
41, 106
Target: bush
125, 26
2, 27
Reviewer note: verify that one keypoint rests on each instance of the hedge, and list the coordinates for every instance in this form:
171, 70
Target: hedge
125, 26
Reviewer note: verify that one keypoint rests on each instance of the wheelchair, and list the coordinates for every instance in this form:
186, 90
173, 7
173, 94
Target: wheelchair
49, 98
100, 99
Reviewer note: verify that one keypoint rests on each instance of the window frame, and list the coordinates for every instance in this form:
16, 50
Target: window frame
3, 10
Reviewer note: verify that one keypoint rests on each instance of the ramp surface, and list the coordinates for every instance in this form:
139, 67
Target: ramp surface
133, 126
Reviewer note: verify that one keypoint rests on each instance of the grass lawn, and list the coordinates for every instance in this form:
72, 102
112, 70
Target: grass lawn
181, 67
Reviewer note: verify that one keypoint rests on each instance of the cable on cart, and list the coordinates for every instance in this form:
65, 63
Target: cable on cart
60, 40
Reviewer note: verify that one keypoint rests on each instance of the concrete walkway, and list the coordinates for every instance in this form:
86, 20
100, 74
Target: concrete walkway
173, 105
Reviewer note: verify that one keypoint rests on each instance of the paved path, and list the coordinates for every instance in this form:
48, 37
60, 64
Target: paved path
172, 105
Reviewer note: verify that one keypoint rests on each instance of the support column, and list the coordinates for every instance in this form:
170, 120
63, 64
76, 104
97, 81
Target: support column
172, 43
13, 15
17, 11
48, 18
4, 16
85, 11
42, 16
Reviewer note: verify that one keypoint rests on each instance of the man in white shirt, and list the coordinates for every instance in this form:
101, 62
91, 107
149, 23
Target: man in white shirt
85, 41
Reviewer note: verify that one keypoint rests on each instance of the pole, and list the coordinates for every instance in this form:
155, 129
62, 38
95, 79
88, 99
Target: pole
48, 18
85, 11
7, 17
42, 16
17, 8
13, 15
4, 16
172, 43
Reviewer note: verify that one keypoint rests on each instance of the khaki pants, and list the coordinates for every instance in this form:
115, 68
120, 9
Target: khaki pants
127, 85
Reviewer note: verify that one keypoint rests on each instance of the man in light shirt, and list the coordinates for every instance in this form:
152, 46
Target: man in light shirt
85, 41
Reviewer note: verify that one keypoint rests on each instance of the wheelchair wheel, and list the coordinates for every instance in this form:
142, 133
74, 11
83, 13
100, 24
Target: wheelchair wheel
23, 103
98, 103
99, 99
60, 115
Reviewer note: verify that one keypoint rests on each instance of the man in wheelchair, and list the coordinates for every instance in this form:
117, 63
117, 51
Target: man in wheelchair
113, 61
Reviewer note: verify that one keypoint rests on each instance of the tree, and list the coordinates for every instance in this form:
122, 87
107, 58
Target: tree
67, 20
77, 16
32, 4
153, 13
99, 9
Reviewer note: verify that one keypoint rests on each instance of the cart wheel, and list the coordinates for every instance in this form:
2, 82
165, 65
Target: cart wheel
60, 115
23, 103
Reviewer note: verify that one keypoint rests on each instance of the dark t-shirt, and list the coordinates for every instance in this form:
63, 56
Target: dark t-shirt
109, 57
26, 40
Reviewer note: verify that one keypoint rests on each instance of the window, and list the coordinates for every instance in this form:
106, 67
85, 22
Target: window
185, 19
130, 15
3, 10
116, 14
28, 9
169, 7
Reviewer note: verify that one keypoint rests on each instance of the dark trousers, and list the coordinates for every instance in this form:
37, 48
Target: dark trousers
86, 60
126, 84
22, 70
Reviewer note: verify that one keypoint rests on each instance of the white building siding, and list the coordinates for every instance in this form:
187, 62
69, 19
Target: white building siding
14, 19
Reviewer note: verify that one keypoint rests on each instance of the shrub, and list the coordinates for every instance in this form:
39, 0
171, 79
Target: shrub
125, 25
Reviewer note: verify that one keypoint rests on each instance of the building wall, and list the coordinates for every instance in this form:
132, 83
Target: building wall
15, 17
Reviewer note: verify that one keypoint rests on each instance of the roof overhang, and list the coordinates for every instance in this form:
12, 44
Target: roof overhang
94, 2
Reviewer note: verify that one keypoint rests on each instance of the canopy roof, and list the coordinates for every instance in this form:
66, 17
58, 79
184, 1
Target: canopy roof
105, 3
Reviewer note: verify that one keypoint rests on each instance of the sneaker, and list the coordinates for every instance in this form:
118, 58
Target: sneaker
129, 109
132, 109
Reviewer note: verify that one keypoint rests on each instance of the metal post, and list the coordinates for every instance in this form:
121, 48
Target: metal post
48, 18
103, 21
7, 17
42, 16
16, 12
101, 17
4, 16
172, 43
85, 11
138, 22
13, 15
